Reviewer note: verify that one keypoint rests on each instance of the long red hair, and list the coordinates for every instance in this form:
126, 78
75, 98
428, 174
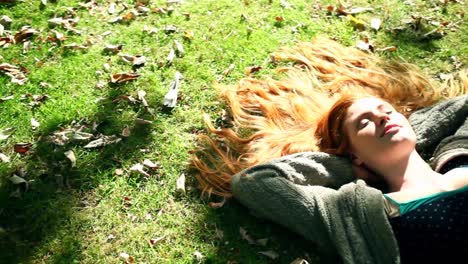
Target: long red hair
273, 118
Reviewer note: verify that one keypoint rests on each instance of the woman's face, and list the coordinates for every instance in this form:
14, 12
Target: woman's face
377, 133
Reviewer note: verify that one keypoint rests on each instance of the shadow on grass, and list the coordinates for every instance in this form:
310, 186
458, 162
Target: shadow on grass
57, 193
233, 247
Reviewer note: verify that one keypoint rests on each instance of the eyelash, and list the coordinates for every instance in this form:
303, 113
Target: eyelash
363, 125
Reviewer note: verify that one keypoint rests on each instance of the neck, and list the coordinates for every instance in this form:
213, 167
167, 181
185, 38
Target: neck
408, 173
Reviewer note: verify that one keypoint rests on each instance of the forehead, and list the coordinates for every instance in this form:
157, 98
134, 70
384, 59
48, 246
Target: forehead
363, 105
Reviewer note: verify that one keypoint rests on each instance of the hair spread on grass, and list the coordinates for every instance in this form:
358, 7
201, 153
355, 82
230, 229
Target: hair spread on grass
280, 117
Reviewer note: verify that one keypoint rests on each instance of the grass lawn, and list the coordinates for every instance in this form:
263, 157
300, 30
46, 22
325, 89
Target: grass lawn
65, 199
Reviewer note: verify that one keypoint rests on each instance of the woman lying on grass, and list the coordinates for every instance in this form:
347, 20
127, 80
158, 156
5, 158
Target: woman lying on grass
332, 156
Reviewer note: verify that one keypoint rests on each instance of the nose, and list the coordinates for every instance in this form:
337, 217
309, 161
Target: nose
381, 117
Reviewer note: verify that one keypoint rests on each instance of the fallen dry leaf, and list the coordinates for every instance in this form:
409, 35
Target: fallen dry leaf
34, 124
299, 261
137, 60
71, 156
24, 33
227, 71
179, 48
261, 241
270, 253
17, 180
140, 121
103, 141
148, 163
189, 35
139, 168
5, 21
119, 172
170, 99
6, 133
124, 77
357, 23
22, 148
127, 258
180, 183
198, 256
75, 46
4, 158
125, 132
246, 236
6, 98
113, 48
141, 97
252, 69
154, 241
170, 57
375, 23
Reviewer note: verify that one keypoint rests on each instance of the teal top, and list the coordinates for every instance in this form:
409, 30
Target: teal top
406, 207
413, 204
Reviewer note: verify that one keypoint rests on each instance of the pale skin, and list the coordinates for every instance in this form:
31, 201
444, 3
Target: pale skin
383, 141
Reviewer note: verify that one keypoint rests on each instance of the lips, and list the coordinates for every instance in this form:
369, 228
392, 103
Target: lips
388, 128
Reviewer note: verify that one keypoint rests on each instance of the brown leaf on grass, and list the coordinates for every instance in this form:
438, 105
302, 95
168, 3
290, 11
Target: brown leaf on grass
130, 16
279, 19
5, 21
137, 60
357, 23
127, 258
159, 10
22, 148
75, 46
246, 236
140, 121
141, 97
125, 132
103, 141
261, 242
26, 46
154, 241
170, 57
71, 157
149, 30
119, 172
111, 8
4, 158
218, 204
198, 256
299, 261
6, 133
270, 253
189, 34
59, 36
34, 124
16, 73
17, 180
7, 41
113, 48
180, 183
24, 33
140, 169
375, 23
124, 77
148, 163
179, 48
6, 98
252, 69
226, 72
